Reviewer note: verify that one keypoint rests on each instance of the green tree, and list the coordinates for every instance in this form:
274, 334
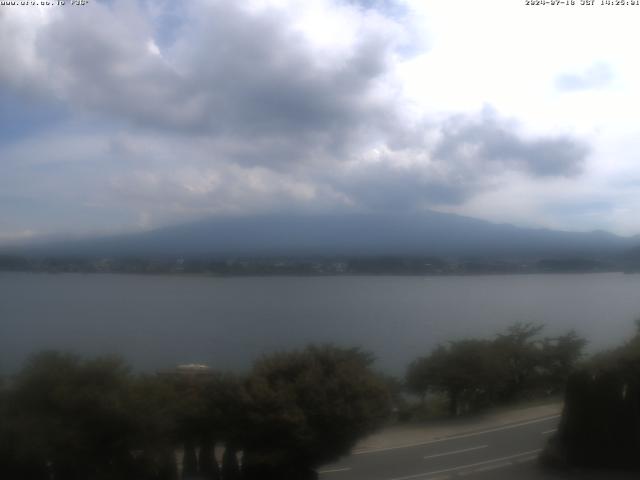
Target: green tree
307, 408
559, 356
155, 408
475, 373
600, 425
72, 416
520, 352
467, 371
418, 377
230, 466
207, 464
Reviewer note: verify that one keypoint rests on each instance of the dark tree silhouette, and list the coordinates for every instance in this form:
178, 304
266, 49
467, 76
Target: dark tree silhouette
190, 461
600, 425
73, 416
307, 408
230, 466
207, 464
476, 373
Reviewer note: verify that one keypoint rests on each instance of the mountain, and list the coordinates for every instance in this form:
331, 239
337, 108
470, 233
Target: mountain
429, 233
632, 259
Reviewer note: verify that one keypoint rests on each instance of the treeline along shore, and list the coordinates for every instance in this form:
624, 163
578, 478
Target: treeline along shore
378, 265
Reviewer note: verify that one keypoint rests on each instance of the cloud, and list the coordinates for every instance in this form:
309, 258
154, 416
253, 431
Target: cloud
598, 75
451, 161
172, 112
396, 188
233, 72
476, 145
12, 237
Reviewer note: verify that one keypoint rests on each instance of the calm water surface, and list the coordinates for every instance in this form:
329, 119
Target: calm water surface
160, 321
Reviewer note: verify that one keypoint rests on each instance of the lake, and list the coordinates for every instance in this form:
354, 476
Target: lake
161, 321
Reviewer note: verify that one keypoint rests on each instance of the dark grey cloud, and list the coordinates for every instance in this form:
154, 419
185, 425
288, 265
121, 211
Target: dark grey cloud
98, 59
487, 143
232, 74
469, 156
386, 187
598, 75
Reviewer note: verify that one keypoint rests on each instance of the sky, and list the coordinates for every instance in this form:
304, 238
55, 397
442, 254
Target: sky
128, 115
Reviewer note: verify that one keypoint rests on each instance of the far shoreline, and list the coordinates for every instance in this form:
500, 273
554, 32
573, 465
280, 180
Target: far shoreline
315, 275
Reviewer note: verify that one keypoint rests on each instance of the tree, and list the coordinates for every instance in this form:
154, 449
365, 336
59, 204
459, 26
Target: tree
465, 370
520, 353
205, 408
193, 422
71, 418
417, 378
230, 467
559, 357
307, 408
208, 466
475, 373
600, 425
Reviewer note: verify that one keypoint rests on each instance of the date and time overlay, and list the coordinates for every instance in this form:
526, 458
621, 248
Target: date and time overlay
583, 3
556, 3
44, 3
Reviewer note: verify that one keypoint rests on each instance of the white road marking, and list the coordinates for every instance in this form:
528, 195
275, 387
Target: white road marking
334, 470
455, 437
468, 466
547, 432
455, 451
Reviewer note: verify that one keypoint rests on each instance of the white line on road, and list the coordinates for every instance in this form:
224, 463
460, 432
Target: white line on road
470, 465
455, 451
547, 432
334, 470
456, 437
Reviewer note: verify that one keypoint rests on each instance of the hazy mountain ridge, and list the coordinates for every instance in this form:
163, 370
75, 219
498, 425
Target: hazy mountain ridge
429, 233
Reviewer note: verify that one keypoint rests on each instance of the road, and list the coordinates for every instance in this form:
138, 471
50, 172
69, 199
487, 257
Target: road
505, 452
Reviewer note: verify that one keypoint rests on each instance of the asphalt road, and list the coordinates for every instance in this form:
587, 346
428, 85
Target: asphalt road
506, 452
